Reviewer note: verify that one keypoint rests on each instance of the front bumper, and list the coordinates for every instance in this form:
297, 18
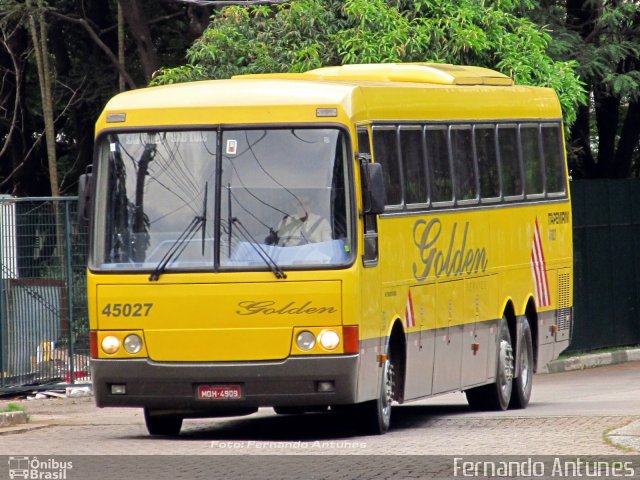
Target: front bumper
173, 386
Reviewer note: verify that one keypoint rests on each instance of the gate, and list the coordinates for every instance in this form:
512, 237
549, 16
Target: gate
44, 328
606, 235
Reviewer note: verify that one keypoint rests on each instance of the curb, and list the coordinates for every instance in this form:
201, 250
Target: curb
593, 360
10, 419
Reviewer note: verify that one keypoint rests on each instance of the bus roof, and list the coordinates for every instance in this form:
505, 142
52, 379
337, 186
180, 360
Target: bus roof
358, 92
427, 73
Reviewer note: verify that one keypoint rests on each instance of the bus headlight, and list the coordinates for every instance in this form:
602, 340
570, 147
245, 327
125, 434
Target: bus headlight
132, 344
110, 344
329, 339
306, 340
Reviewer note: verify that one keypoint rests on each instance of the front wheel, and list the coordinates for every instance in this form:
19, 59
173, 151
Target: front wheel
496, 396
523, 383
168, 425
376, 414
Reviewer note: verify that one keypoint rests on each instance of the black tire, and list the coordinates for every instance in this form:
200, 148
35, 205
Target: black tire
167, 425
523, 383
497, 395
375, 415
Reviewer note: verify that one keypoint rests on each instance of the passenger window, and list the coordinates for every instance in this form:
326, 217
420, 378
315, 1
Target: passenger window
439, 167
413, 165
509, 162
385, 152
485, 140
553, 158
463, 164
531, 159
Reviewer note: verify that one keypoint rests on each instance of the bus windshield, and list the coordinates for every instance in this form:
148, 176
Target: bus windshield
223, 199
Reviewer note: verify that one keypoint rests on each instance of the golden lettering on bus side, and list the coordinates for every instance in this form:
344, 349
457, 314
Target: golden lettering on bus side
269, 307
450, 261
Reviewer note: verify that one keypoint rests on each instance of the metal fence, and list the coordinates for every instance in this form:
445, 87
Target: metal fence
606, 237
44, 328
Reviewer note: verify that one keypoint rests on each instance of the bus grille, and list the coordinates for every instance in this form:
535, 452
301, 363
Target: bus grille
563, 316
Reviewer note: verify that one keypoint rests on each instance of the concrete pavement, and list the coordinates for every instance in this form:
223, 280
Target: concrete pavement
626, 438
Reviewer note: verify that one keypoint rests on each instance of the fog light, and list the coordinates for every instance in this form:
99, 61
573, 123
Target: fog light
110, 344
118, 389
325, 387
306, 340
132, 344
329, 339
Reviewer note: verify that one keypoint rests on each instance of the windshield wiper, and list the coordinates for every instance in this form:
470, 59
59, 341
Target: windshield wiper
180, 244
262, 253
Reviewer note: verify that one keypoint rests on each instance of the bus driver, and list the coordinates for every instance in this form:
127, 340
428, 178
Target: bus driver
302, 228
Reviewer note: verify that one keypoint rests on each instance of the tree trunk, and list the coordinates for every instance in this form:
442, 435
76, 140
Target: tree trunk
581, 161
121, 59
607, 114
628, 142
139, 29
581, 17
39, 39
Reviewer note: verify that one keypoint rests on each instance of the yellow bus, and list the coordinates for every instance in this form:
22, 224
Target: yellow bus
346, 238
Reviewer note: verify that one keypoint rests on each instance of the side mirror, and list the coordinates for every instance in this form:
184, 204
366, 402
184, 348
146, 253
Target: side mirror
373, 191
84, 196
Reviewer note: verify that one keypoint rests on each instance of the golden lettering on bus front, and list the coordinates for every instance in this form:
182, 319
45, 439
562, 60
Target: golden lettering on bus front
269, 307
453, 260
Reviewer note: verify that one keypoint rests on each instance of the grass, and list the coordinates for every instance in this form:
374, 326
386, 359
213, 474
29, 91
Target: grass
12, 407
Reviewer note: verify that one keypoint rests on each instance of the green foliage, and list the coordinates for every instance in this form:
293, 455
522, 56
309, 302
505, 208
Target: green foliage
307, 34
603, 39
83, 78
608, 52
260, 39
12, 407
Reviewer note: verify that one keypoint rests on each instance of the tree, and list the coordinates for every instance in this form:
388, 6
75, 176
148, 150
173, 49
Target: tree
307, 34
38, 30
81, 38
603, 38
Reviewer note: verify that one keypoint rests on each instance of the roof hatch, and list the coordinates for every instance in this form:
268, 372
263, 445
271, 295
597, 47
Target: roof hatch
433, 73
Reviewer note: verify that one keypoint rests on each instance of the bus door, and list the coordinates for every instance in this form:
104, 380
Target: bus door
372, 318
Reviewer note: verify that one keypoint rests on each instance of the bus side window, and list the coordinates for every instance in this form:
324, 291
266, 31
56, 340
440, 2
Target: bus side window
531, 159
413, 164
553, 158
385, 152
485, 142
509, 161
439, 166
464, 170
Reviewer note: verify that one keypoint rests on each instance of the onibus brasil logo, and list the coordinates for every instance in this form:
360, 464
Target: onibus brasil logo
34, 468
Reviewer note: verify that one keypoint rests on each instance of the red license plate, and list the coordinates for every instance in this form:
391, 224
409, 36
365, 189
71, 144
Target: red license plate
219, 392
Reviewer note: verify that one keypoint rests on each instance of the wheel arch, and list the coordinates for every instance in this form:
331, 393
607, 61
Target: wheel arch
509, 313
397, 351
531, 312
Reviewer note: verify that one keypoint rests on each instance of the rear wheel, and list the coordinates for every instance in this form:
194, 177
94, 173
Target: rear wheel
376, 414
168, 425
523, 383
496, 396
